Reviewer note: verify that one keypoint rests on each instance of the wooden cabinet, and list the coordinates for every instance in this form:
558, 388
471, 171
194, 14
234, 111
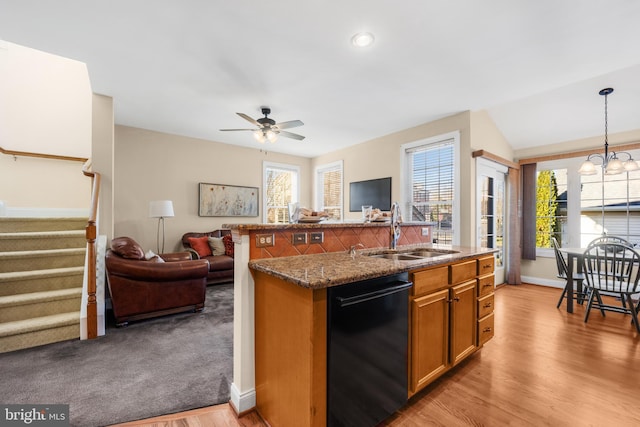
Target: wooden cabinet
485, 299
429, 338
449, 318
463, 321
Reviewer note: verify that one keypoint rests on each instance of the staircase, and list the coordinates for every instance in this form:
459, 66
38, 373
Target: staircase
41, 275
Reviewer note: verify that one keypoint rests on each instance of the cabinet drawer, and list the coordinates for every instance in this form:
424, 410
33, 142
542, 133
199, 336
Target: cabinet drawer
430, 280
485, 285
462, 272
486, 265
485, 306
485, 329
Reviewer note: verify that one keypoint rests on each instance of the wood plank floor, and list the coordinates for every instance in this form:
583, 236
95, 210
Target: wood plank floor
544, 367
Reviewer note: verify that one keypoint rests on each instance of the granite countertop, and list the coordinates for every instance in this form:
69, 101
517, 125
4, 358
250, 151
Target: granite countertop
337, 268
321, 224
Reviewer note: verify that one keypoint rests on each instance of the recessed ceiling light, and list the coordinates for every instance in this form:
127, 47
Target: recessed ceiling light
362, 39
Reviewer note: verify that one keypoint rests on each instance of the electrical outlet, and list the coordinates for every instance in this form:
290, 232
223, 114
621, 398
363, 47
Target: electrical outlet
299, 238
317, 236
265, 240
425, 231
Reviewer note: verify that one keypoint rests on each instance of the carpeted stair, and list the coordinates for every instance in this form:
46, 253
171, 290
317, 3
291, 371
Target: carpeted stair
41, 273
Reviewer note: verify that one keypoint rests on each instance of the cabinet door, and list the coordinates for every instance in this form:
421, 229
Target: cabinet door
429, 338
463, 321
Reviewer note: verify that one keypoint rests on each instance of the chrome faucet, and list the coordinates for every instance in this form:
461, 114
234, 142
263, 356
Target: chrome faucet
395, 225
352, 251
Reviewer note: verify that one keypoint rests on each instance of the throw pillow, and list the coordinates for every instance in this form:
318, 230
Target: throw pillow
228, 245
200, 245
153, 257
126, 247
217, 246
157, 259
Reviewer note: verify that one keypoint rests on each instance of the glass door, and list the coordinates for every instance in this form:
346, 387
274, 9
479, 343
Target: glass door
491, 181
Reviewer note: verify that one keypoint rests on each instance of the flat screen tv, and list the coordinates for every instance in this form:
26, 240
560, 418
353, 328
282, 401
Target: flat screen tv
374, 192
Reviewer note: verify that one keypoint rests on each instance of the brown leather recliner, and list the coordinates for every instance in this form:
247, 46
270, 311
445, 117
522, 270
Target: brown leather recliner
143, 288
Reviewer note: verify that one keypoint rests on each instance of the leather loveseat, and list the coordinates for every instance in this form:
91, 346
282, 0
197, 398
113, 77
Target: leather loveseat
220, 265
142, 288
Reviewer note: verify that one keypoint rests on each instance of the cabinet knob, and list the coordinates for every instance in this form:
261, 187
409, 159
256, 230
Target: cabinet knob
487, 329
487, 305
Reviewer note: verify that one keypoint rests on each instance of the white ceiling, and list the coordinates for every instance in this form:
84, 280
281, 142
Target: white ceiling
187, 66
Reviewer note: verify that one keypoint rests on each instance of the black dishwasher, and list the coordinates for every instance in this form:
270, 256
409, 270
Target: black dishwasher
367, 350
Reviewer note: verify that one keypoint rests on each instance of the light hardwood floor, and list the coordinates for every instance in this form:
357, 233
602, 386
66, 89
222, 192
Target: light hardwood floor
544, 367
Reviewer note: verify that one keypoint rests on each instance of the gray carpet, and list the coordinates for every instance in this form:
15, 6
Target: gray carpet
153, 367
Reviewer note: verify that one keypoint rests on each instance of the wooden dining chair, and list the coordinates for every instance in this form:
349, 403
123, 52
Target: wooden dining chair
612, 269
603, 240
609, 239
577, 278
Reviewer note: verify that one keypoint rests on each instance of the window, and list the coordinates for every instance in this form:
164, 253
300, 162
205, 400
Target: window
431, 185
280, 187
551, 205
610, 204
329, 189
576, 209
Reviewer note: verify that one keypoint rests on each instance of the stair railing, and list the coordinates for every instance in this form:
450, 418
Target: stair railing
90, 232
92, 257
15, 154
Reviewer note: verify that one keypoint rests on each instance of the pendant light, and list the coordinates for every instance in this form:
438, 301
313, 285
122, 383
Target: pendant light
609, 162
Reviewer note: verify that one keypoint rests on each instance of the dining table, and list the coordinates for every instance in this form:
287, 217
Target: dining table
574, 256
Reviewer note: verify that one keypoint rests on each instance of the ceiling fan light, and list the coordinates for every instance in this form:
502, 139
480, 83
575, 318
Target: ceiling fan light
587, 168
259, 136
271, 136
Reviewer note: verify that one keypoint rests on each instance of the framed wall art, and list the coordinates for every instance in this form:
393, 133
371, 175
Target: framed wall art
227, 200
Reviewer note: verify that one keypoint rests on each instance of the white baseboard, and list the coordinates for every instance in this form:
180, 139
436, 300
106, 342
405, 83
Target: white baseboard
242, 402
543, 282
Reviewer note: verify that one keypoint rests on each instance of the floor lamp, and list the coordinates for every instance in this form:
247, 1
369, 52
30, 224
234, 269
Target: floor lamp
160, 209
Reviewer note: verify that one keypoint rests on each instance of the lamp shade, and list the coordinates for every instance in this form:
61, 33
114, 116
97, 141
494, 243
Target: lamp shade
161, 209
631, 165
614, 167
587, 168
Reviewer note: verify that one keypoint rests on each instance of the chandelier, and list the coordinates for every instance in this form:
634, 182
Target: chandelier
609, 162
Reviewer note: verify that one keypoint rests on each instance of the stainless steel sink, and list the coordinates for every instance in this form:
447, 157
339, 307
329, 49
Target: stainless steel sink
414, 255
397, 257
430, 254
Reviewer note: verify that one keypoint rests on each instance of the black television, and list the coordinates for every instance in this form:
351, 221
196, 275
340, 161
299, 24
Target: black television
374, 192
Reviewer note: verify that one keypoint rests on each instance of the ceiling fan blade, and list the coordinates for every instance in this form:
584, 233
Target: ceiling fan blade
236, 129
249, 119
291, 135
289, 124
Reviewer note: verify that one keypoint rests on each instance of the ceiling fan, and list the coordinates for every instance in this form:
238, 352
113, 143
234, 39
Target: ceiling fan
268, 129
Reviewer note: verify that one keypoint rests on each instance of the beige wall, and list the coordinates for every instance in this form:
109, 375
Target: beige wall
156, 166
29, 183
50, 99
380, 157
102, 159
49, 90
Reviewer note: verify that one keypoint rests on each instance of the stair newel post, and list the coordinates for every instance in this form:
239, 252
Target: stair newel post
92, 307
92, 255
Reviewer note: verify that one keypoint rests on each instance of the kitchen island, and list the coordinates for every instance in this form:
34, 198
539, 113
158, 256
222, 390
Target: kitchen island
293, 299
302, 261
